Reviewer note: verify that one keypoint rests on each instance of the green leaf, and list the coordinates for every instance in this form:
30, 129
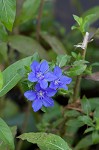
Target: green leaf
74, 54
95, 64
96, 117
11, 76
89, 129
78, 19
94, 11
96, 112
85, 104
27, 45
55, 44
86, 120
86, 22
6, 135
75, 123
95, 137
84, 143
94, 102
7, 13
73, 27
52, 113
3, 50
62, 60
77, 70
81, 62
28, 11
3, 34
49, 116
97, 124
46, 141
71, 113
14, 130
1, 80
3, 145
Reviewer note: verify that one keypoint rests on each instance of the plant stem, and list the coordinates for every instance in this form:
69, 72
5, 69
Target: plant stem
78, 79
39, 19
25, 123
79, 110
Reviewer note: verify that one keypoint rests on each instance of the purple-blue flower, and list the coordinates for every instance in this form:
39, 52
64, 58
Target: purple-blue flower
60, 81
40, 73
40, 97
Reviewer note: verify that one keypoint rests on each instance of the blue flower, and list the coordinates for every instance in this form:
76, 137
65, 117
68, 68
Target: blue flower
40, 73
40, 97
60, 81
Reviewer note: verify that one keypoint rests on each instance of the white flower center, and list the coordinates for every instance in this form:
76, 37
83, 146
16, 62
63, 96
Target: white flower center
40, 94
39, 75
56, 82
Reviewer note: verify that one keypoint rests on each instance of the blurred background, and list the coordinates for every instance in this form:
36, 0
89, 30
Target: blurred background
55, 38
64, 10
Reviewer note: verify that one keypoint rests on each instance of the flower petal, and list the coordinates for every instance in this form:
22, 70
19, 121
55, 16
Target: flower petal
53, 86
65, 79
50, 92
50, 76
48, 102
44, 66
37, 87
34, 65
30, 95
57, 71
36, 105
64, 86
43, 84
32, 77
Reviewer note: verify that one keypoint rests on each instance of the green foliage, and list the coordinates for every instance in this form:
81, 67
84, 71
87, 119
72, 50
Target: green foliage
27, 46
95, 137
74, 123
3, 51
3, 33
1, 80
7, 14
46, 123
95, 64
93, 10
3, 145
11, 76
90, 129
86, 120
77, 68
55, 44
94, 102
83, 23
6, 135
68, 116
46, 141
71, 113
14, 131
86, 107
96, 118
62, 60
84, 143
28, 11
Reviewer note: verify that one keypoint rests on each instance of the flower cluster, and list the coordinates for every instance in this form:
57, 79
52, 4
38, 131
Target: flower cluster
48, 83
